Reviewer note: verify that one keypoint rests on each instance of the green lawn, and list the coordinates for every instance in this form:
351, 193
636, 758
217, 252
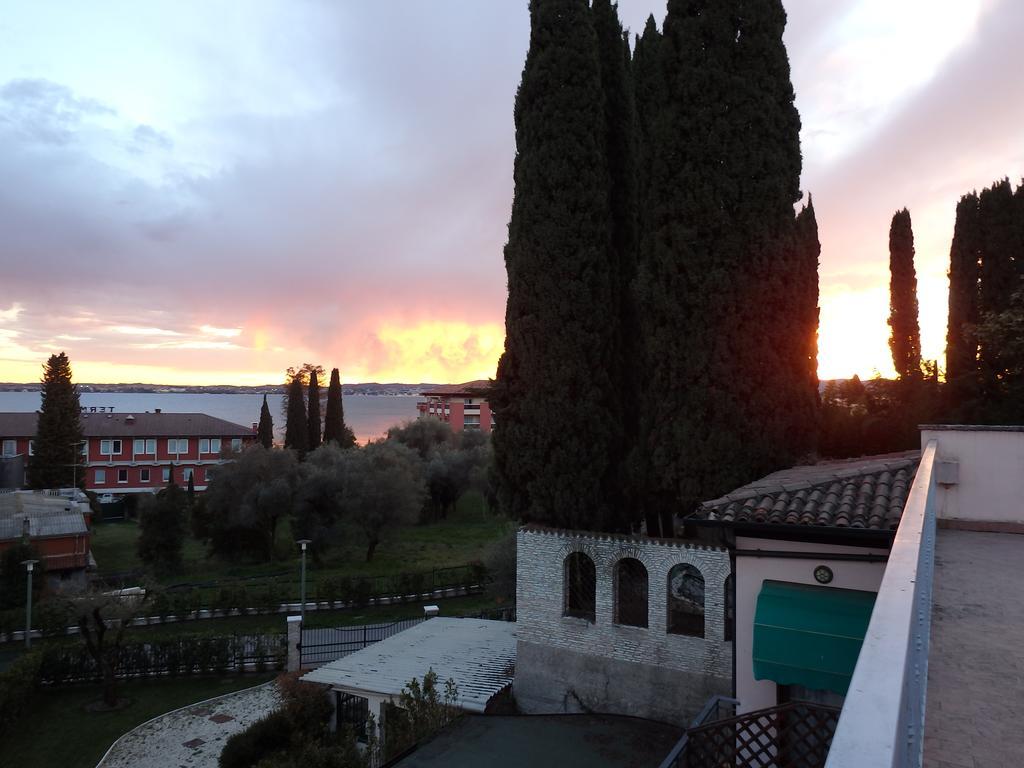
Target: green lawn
464, 537
57, 732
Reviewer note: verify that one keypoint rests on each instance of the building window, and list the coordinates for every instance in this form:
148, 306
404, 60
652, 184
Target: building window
186, 474
236, 444
204, 445
177, 445
208, 474
101, 476
110, 447
31, 447
730, 607
10, 447
165, 474
685, 601
144, 475
630, 593
144, 446
214, 445
580, 586
122, 475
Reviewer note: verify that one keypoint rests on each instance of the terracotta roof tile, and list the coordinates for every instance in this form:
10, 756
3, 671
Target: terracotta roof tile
864, 494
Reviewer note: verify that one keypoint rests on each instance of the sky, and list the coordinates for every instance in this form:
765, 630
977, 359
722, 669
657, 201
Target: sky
210, 192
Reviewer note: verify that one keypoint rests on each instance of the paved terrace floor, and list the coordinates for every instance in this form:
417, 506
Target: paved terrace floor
546, 741
976, 659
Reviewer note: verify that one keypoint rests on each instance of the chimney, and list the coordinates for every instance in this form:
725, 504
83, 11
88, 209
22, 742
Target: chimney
156, 410
129, 419
255, 427
25, 529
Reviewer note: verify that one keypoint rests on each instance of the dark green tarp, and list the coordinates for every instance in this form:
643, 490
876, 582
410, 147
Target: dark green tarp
809, 635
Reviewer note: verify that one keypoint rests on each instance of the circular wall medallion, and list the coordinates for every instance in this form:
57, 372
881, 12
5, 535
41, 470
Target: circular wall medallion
823, 574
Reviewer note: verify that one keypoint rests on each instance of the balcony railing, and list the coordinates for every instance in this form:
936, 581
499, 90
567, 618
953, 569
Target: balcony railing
882, 722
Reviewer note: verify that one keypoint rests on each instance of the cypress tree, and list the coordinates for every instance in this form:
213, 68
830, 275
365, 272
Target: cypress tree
556, 408
57, 458
334, 417
725, 395
998, 272
295, 424
961, 344
905, 337
313, 406
807, 420
621, 151
265, 430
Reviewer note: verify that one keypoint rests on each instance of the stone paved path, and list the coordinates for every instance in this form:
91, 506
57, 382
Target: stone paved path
976, 659
192, 737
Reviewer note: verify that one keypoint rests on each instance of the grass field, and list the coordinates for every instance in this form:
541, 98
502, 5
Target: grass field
464, 537
58, 732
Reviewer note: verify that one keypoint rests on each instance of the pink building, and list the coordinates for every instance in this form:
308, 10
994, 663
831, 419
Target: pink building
462, 406
137, 452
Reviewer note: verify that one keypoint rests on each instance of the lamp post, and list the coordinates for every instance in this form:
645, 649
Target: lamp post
302, 590
29, 564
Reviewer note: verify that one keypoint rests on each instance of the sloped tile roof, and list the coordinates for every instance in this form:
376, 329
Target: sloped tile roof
867, 494
133, 425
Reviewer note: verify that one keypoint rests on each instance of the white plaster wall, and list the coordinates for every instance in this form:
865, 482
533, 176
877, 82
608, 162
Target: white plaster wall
539, 600
990, 486
751, 572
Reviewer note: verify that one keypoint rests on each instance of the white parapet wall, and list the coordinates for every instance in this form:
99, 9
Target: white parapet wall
980, 474
569, 664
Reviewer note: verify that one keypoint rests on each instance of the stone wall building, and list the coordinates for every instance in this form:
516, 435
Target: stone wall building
623, 625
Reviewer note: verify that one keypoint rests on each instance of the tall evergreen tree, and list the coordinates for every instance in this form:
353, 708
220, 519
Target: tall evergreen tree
57, 460
961, 343
295, 436
265, 430
621, 151
313, 409
557, 412
725, 385
334, 417
806, 313
905, 336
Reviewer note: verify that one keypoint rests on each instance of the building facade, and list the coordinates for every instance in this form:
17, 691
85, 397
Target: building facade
58, 528
463, 409
140, 452
620, 625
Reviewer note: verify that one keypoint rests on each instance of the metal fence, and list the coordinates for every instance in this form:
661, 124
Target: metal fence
170, 658
325, 644
716, 708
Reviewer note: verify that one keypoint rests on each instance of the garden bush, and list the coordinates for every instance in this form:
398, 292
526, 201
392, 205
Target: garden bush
261, 739
18, 683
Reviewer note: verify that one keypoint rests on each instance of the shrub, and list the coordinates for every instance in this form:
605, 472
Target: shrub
17, 686
361, 590
51, 617
306, 705
270, 597
329, 589
161, 604
225, 599
183, 602
346, 588
261, 739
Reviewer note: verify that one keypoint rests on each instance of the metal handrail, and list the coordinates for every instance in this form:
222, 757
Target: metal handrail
882, 722
711, 705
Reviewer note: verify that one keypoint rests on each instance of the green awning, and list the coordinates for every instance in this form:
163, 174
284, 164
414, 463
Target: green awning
809, 635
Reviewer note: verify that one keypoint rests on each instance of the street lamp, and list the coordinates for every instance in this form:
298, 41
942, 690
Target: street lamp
29, 564
302, 592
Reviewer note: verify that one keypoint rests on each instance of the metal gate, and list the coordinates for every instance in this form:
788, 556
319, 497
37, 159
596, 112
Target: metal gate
323, 645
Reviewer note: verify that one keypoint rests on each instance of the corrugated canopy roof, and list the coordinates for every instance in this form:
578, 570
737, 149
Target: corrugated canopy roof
478, 654
867, 493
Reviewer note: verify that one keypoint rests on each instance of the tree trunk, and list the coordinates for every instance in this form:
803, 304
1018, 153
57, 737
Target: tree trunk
109, 681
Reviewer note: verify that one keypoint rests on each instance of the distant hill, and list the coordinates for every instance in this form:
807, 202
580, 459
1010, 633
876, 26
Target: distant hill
370, 388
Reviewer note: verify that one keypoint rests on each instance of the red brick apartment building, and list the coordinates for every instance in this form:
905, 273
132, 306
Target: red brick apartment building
463, 406
136, 452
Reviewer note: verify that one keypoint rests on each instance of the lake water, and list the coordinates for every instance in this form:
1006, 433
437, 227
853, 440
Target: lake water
369, 416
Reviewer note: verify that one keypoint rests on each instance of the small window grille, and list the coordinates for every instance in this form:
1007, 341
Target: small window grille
580, 586
631, 593
730, 607
685, 601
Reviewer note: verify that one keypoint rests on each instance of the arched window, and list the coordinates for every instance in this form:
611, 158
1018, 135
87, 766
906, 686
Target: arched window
580, 586
630, 593
685, 601
730, 607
